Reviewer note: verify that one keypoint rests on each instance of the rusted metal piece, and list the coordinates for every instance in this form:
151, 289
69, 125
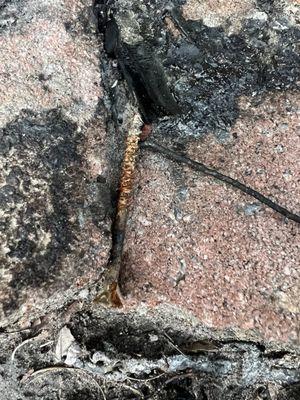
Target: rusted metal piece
111, 293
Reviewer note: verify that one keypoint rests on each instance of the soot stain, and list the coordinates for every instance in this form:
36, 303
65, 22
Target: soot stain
190, 84
45, 182
9, 14
213, 70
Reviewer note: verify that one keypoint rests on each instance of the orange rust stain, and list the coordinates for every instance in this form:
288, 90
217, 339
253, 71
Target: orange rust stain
115, 295
127, 174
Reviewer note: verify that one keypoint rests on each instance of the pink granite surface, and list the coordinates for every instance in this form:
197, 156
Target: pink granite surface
200, 244
50, 61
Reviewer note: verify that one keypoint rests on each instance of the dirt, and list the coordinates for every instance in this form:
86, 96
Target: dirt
161, 353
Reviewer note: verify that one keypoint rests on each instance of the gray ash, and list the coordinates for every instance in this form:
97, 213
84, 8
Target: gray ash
191, 84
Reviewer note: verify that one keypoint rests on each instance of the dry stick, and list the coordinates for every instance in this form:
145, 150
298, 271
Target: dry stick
112, 293
71, 370
155, 147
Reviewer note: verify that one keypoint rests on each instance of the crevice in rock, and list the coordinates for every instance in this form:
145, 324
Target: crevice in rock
154, 354
228, 66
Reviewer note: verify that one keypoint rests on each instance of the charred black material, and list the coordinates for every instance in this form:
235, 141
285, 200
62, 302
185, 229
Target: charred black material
111, 38
197, 77
102, 11
142, 70
210, 69
145, 75
44, 192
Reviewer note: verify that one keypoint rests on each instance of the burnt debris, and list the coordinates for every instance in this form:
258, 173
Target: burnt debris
140, 67
195, 78
207, 68
46, 194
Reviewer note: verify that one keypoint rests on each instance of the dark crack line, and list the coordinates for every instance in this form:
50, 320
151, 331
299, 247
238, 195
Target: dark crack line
180, 158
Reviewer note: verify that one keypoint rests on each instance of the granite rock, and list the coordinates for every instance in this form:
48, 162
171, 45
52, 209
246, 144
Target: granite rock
55, 185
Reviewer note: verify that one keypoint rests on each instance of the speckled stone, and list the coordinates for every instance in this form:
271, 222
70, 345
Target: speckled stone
191, 240
216, 13
54, 185
200, 244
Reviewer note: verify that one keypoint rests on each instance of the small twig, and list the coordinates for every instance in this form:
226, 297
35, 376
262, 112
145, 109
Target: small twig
19, 346
71, 370
133, 390
155, 147
172, 344
179, 376
148, 379
46, 344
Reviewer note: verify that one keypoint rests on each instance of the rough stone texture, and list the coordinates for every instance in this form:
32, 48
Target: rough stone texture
224, 90
190, 240
216, 251
217, 12
55, 192
48, 60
